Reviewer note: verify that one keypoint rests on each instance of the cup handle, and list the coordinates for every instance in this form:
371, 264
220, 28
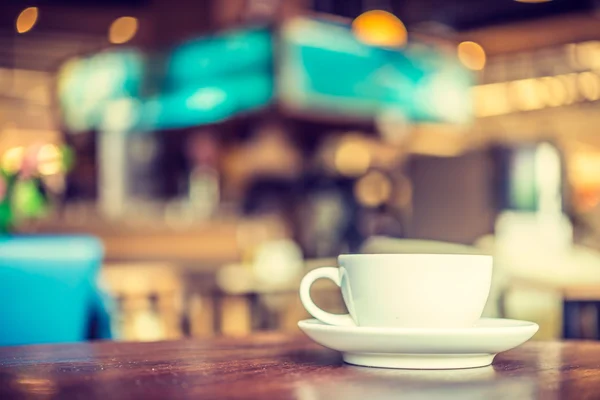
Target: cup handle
332, 273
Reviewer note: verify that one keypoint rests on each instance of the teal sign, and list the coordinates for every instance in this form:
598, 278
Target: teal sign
211, 79
208, 104
199, 61
321, 67
325, 67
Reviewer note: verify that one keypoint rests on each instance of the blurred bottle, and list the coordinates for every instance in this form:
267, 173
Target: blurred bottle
328, 223
203, 176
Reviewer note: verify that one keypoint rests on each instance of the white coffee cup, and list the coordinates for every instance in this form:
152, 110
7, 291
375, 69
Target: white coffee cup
405, 290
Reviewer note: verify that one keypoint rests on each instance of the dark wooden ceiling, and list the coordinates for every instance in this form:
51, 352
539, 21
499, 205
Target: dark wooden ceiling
473, 14
68, 27
457, 14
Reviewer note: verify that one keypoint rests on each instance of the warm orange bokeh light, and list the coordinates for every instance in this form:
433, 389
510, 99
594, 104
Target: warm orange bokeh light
12, 159
352, 158
380, 28
27, 19
49, 159
373, 189
471, 55
122, 30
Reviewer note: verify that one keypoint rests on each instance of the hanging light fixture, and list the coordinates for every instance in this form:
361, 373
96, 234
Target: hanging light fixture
27, 19
471, 55
380, 28
377, 26
122, 30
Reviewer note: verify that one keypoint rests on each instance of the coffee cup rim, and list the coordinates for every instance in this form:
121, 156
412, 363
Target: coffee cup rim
432, 255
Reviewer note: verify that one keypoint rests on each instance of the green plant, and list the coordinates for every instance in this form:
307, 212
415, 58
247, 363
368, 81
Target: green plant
25, 192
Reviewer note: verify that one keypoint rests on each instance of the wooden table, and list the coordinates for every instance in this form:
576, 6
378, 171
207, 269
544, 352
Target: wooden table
275, 366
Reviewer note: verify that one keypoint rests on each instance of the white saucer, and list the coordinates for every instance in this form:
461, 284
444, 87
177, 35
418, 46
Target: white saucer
422, 348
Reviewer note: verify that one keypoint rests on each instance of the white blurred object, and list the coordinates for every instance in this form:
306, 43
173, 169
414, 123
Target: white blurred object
529, 245
147, 326
204, 191
537, 249
235, 279
277, 263
112, 181
533, 237
533, 247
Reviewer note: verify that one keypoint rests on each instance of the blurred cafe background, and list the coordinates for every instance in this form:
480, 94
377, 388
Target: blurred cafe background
171, 168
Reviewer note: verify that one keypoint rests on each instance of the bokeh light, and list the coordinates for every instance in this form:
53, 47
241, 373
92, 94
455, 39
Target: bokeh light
12, 159
585, 180
589, 85
525, 95
471, 55
553, 91
122, 30
27, 19
352, 158
569, 81
447, 98
380, 28
49, 160
535, 93
373, 189
587, 54
491, 99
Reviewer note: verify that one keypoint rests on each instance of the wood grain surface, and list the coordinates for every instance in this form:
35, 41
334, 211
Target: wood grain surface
275, 366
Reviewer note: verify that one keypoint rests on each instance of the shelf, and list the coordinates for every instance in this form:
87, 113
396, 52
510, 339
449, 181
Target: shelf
212, 242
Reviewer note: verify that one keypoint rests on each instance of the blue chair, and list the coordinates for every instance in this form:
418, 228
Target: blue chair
48, 291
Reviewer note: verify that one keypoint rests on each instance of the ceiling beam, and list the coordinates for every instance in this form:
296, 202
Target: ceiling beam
524, 36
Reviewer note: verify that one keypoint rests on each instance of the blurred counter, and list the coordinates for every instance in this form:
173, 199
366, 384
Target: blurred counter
212, 242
